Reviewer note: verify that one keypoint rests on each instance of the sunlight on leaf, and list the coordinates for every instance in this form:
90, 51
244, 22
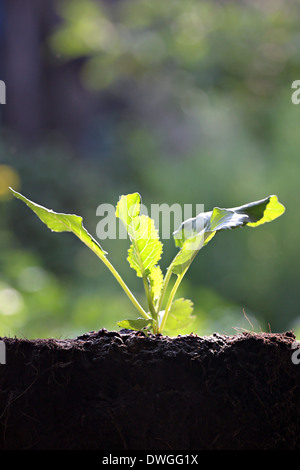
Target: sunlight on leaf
180, 316
196, 232
156, 280
137, 324
146, 249
59, 222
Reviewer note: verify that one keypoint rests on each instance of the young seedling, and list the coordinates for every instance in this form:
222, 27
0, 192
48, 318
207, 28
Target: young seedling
146, 249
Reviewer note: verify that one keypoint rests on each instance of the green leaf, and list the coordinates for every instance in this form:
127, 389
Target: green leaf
59, 222
138, 324
189, 250
146, 249
266, 210
196, 232
156, 280
180, 316
128, 208
252, 214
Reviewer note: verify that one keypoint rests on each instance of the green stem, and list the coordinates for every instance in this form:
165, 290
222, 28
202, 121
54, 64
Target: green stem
145, 281
174, 289
170, 299
164, 288
121, 282
149, 299
126, 289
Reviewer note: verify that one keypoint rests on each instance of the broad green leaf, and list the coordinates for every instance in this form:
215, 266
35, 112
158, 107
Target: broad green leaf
191, 228
180, 316
269, 209
146, 249
137, 324
252, 214
127, 209
59, 222
196, 232
189, 250
156, 280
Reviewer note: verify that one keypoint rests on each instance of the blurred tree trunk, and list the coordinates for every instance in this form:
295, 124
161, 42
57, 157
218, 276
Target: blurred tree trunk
22, 68
43, 93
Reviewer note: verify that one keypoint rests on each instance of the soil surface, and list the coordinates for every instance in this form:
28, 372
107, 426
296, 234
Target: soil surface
123, 391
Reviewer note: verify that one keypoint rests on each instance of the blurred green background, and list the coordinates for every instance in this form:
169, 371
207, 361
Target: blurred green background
185, 102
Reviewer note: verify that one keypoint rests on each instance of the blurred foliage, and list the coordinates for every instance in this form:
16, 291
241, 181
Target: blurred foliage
201, 112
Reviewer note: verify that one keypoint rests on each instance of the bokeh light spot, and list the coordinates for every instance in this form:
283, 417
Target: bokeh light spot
33, 278
8, 177
11, 301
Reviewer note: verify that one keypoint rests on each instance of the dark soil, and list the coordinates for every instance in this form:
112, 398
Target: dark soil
123, 391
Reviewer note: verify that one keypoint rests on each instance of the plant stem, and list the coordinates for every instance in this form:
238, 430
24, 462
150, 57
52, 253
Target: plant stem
152, 310
121, 282
164, 288
126, 289
174, 289
149, 299
170, 299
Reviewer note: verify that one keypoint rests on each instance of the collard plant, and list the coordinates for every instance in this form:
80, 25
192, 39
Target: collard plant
163, 311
